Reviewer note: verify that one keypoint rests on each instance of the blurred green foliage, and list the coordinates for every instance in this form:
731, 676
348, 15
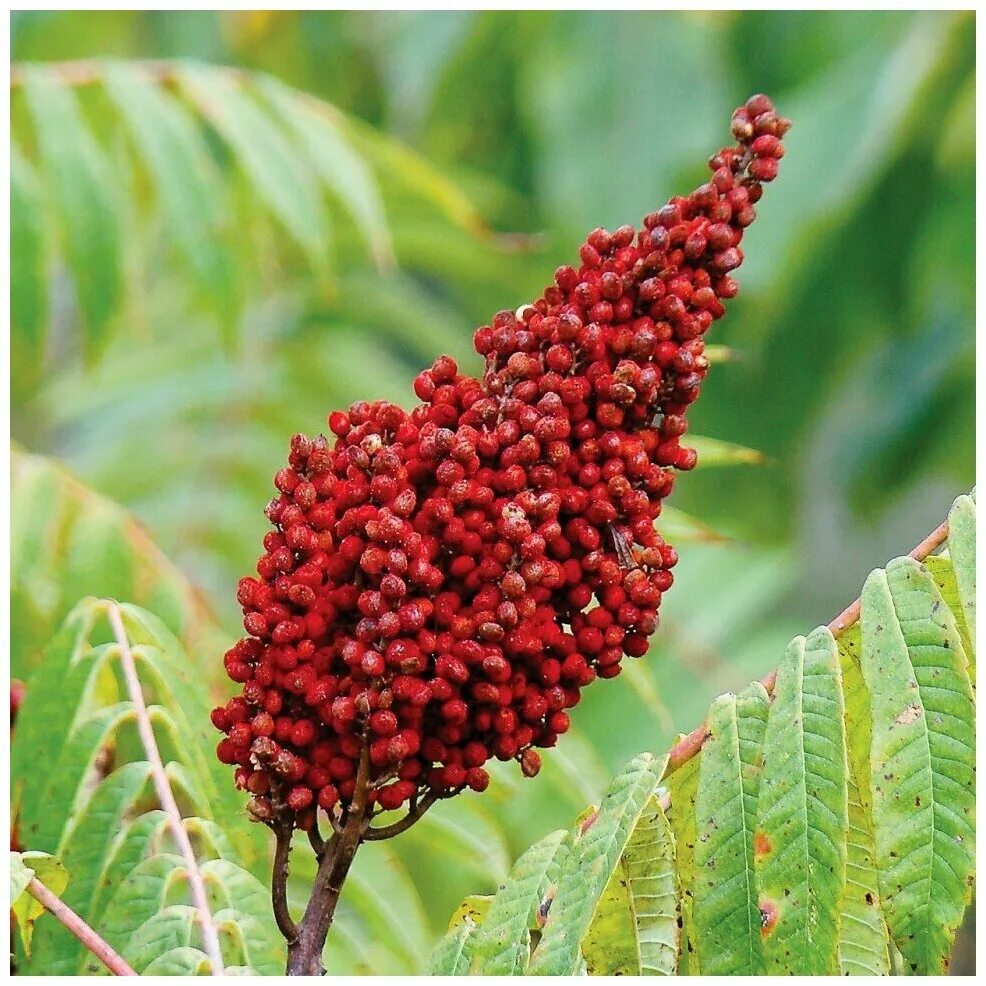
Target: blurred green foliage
854, 326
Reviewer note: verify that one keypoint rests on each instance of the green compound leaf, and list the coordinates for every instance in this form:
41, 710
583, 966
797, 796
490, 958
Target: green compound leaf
82, 187
800, 842
724, 909
346, 173
503, 943
922, 761
85, 851
634, 931
185, 178
265, 154
590, 865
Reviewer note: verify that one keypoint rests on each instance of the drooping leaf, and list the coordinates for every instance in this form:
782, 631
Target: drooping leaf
81, 184
264, 153
332, 156
185, 180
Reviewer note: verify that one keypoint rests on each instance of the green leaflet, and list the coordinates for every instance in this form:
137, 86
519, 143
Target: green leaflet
590, 865
716, 452
724, 908
28, 287
683, 785
85, 849
335, 161
186, 181
184, 961
238, 896
265, 155
863, 936
922, 761
453, 953
634, 930
171, 927
800, 842
941, 569
502, 945
84, 192
962, 549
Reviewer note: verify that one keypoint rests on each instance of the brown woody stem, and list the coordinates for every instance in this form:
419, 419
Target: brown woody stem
307, 939
690, 745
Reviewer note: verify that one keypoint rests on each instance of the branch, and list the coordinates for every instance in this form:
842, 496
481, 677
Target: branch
402, 824
691, 745
210, 936
305, 951
318, 844
63, 913
279, 881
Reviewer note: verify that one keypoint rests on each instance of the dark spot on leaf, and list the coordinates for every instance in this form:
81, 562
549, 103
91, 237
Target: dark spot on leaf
869, 897
768, 917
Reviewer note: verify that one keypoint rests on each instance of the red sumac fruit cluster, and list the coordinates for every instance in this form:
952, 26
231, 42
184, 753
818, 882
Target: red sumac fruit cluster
441, 583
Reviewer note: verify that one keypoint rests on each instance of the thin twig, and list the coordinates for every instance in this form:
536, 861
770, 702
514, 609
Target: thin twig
64, 914
210, 936
279, 881
690, 745
402, 824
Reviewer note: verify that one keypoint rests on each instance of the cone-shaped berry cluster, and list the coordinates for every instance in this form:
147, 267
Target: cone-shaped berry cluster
441, 584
